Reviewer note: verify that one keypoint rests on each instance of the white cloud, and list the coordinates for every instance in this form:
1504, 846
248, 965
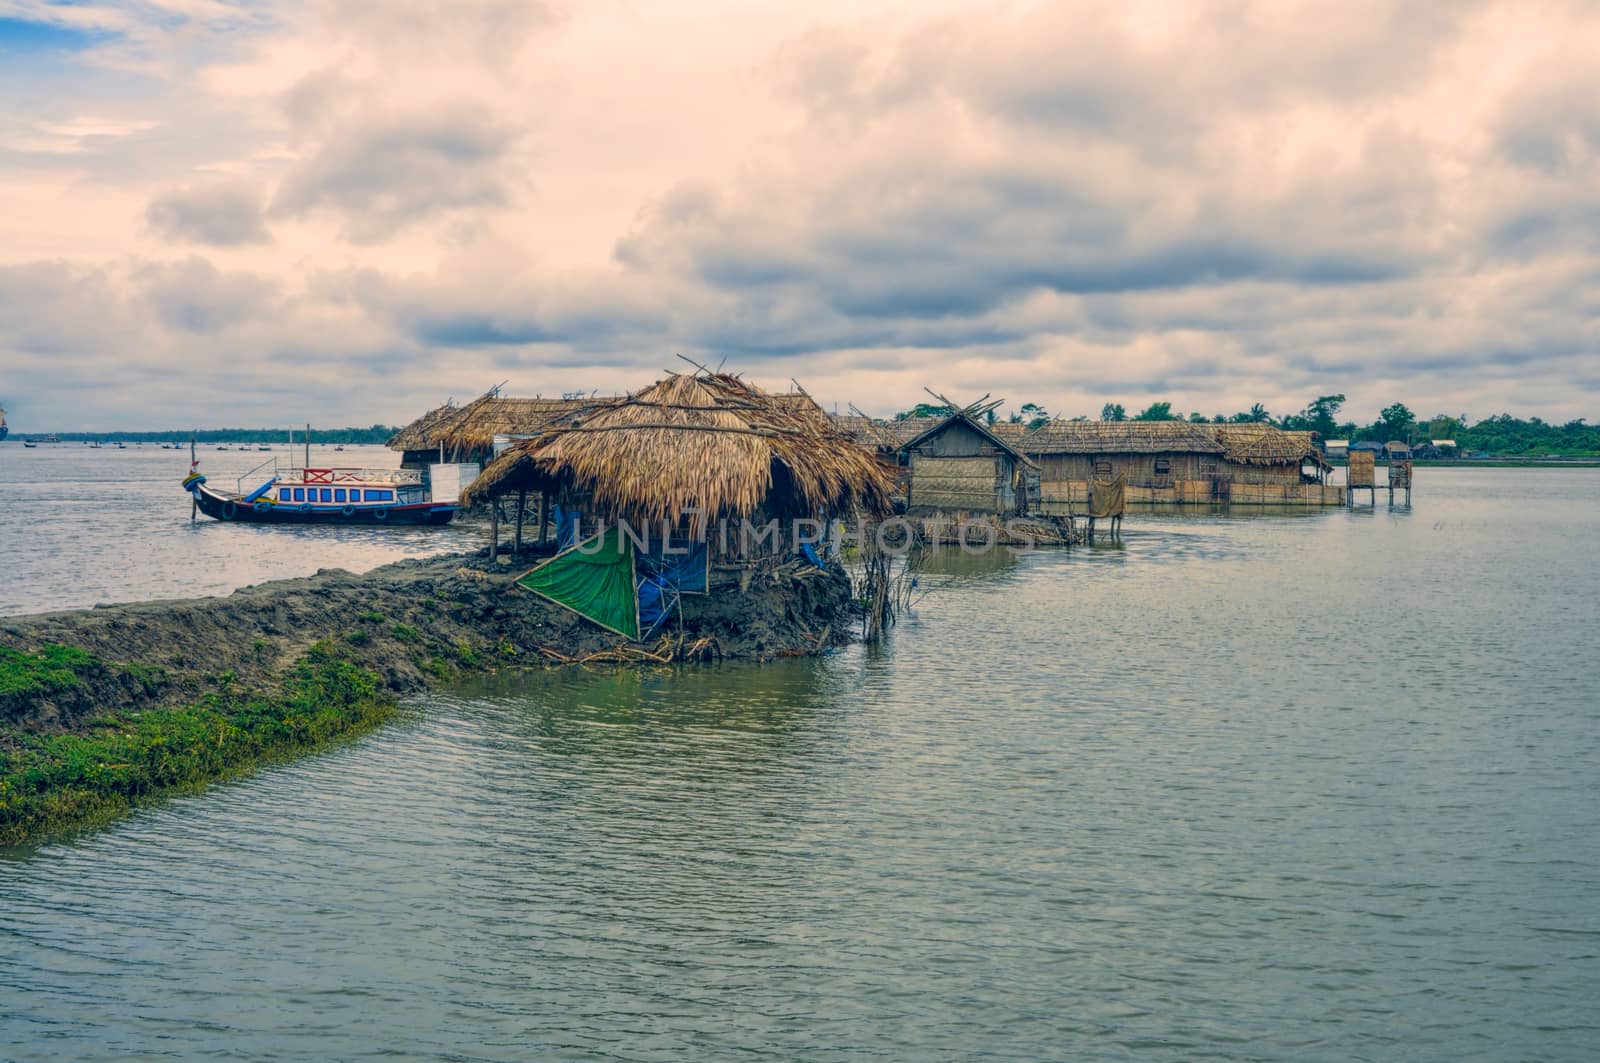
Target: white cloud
1213, 203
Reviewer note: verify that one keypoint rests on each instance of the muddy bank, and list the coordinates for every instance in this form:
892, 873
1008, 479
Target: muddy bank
101, 709
410, 623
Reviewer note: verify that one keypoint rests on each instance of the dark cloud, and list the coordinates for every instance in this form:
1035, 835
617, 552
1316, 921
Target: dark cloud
222, 214
383, 175
194, 296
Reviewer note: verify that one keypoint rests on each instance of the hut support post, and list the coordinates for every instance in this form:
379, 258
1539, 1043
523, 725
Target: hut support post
494, 528
544, 509
522, 508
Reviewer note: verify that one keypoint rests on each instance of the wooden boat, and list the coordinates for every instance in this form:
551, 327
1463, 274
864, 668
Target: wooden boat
323, 496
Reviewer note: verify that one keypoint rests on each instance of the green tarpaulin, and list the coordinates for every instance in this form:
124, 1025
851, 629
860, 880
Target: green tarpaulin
595, 580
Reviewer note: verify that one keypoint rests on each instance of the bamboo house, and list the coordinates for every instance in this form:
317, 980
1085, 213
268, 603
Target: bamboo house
1176, 462
649, 491
691, 450
959, 465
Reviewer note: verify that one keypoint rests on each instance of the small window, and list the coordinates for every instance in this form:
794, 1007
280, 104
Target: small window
283, 494
338, 494
299, 494
387, 496
327, 494
1102, 468
372, 496
1163, 466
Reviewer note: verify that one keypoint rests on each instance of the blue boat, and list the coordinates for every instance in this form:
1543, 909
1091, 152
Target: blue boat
323, 496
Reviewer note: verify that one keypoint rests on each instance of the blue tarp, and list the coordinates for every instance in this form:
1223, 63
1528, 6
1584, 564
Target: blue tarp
566, 528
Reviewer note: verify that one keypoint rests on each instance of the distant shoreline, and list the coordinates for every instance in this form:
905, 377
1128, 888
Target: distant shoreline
376, 435
1494, 463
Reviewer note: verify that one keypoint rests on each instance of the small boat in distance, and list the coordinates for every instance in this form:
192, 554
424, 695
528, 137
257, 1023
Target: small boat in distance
322, 496
4, 431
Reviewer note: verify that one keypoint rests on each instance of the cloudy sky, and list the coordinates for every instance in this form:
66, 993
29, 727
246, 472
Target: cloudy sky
346, 211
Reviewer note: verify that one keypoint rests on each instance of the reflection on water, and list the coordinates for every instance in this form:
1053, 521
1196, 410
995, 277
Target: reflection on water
1238, 788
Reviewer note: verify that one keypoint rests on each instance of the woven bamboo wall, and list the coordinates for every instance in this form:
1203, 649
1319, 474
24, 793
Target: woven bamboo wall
1261, 474
971, 484
1361, 469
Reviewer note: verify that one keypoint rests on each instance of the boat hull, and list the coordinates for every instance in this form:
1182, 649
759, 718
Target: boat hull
224, 507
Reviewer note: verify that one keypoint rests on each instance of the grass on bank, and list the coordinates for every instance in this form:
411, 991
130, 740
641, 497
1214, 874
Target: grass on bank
50, 671
53, 783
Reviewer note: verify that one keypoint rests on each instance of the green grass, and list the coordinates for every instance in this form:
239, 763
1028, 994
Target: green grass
50, 671
54, 783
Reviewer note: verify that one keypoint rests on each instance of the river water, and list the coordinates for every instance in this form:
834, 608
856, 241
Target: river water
1315, 786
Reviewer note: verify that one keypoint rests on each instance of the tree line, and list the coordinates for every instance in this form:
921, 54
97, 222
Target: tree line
1501, 434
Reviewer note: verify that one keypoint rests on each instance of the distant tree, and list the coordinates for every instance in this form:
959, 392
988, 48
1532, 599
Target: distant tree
1322, 415
1033, 415
1443, 426
923, 409
1113, 411
1396, 422
1156, 411
1198, 418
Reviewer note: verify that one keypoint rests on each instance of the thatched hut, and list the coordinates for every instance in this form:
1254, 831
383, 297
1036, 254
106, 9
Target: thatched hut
1154, 457
691, 450
1265, 454
959, 465
466, 434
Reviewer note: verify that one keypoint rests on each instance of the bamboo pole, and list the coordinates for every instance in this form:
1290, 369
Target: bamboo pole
522, 509
494, 529
544, 509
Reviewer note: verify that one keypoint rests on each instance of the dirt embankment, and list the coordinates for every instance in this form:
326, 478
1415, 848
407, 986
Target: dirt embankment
410, 622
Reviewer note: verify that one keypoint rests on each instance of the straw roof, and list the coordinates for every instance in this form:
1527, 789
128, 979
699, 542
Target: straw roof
706, 442
1010, 431
867, 432
1120, 437
1253, 443
469, 429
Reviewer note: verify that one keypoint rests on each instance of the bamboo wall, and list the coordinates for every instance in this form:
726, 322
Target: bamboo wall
1063, 497
974, 485
1360, 471
1238, 473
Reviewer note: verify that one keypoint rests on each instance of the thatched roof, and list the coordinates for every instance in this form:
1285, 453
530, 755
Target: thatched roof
1010, 431
470, 429
867, 432
1261, 444
1120, 437
706, 442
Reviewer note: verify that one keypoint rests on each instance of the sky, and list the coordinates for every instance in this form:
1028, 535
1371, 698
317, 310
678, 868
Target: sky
345, 212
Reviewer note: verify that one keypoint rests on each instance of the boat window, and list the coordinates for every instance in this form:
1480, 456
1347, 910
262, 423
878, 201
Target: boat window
338, 494
283, 494
327, 494
388, 496
299, 494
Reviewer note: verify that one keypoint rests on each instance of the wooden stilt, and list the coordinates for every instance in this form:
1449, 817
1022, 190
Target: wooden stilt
544, 511
494, 528
522, 508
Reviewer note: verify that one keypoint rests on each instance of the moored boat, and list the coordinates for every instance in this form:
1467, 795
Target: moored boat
324, 496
